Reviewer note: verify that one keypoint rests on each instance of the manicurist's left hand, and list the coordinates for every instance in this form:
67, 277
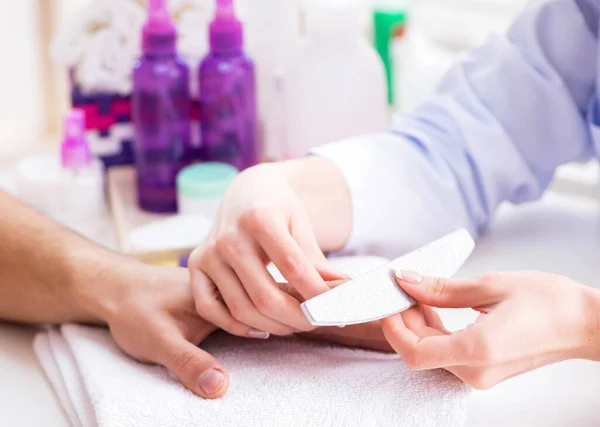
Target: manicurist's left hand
527, 320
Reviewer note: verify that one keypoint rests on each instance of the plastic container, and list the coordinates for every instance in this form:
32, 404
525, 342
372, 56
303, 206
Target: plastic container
228, 110
200, 188
68, 187
161, 111
335, 87
273, 32
389, 21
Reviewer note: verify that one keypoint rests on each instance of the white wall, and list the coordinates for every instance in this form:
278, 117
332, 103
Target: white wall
21, 84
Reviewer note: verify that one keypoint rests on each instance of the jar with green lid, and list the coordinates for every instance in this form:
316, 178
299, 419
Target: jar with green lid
200, 187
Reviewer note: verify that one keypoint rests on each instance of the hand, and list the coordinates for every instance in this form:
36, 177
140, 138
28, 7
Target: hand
261, 220
527, 320
153, 319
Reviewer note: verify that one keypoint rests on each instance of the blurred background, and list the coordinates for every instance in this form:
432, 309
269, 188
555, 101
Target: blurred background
35, 91
38, 38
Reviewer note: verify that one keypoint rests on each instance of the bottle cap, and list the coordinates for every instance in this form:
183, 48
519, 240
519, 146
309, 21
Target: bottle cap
207, 180
75, 152
225, 31
342, 17
158, 35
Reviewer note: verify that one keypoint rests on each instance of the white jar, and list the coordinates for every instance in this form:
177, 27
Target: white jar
200, 188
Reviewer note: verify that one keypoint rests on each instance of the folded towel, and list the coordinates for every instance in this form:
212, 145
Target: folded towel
277, 382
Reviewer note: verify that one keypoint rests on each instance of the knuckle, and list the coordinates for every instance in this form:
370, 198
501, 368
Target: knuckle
203, 258
438, 286
482, 380
265, 302
256, 216
184, 360
228, 244
237, 310
292, 268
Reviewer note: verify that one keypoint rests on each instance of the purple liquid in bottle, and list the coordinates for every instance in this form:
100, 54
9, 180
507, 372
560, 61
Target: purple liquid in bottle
161, 109
228, 119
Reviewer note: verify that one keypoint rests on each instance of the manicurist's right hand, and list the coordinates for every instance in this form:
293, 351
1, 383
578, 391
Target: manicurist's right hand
261, 220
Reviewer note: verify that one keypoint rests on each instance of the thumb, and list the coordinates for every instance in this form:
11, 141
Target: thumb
451, 293
197, 370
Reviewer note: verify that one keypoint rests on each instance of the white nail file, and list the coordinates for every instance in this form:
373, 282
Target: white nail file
376, 294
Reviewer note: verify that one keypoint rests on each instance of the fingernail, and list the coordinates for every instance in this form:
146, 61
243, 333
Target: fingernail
212, 381
409, 276
259, 335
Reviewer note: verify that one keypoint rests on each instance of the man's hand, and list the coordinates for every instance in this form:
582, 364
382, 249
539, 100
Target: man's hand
154, 320
527, 320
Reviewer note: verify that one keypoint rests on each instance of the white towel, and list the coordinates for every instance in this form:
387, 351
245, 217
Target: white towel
277, 382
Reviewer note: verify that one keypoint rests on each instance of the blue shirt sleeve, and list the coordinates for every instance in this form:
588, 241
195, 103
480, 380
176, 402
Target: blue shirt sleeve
500, 123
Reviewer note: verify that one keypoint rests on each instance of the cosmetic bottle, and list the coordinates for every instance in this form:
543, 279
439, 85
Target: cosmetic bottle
67, 186
272, 34
161, 110
335, 87
228, 117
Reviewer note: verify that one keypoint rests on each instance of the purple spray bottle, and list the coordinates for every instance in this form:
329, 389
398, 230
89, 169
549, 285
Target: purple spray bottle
228, 120
161, 110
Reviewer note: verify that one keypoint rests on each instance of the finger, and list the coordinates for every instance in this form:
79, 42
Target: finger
288, 289
210, 306
414, 319
281, 248
452, 293
197, 370
432, 351
432, 318
238, 303
302, 232
266, 295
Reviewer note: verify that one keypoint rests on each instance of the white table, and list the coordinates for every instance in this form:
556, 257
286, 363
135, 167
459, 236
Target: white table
560, 234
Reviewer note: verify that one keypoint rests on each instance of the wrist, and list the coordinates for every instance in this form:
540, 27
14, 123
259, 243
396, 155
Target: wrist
322, 189
98, 282
591, 347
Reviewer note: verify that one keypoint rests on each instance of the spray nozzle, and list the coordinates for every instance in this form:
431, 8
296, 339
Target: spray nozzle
157, 10
75, 152
158, 34
74, 124
225, 31
225, 8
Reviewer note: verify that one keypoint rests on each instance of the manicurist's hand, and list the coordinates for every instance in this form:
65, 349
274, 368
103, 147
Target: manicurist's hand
527, 320
271, 213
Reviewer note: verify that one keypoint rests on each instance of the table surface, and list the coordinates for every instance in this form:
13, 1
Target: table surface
559, 234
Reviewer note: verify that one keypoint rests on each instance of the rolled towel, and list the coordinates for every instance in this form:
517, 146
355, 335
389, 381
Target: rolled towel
102, 41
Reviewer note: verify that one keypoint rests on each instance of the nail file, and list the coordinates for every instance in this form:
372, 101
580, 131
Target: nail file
376, 294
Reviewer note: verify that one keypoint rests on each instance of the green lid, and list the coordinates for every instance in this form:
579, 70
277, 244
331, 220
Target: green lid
205, 180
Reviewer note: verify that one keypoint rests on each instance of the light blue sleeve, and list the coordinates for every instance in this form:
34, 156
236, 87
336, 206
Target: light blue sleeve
499, 124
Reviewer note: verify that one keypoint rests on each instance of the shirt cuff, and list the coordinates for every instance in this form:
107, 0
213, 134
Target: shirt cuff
399, 201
